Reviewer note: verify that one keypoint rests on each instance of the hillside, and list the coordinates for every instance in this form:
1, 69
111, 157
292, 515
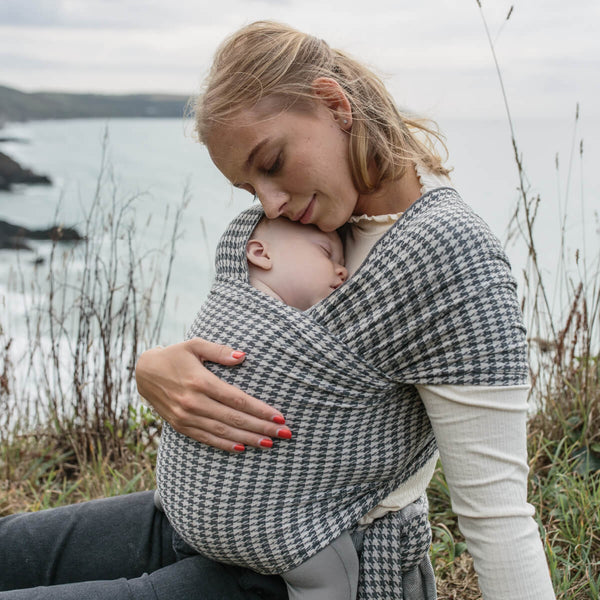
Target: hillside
21, 106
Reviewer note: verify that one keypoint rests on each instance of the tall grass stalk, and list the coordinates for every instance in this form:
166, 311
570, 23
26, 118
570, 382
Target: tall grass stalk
564, 428
77, 431
68, 399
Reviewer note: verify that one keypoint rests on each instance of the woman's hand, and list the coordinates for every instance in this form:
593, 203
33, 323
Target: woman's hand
198, 404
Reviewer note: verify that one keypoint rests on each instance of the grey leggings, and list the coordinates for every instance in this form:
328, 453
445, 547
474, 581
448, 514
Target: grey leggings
114, 549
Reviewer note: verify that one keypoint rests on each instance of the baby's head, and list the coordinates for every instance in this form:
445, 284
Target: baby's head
299, 264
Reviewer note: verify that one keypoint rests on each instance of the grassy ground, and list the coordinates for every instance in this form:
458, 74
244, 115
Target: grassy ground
90, 437
42, 469
85, 435
564, 488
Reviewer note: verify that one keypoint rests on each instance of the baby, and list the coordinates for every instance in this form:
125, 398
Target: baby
297, 264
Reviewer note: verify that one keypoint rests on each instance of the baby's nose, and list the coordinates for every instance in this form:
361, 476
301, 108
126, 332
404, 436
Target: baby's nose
342, 272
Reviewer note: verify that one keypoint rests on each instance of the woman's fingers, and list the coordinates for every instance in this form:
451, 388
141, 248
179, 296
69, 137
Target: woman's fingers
217, 353
226, 412
200, 405
226, 437
229, 395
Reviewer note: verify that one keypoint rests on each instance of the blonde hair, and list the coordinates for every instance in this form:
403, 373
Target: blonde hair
268, 59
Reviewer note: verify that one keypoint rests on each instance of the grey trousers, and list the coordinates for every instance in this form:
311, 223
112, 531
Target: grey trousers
331, 574
124, 548
114, 549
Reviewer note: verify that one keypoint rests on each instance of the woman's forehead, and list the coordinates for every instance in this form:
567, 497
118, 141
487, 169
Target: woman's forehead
269, 116
232, 145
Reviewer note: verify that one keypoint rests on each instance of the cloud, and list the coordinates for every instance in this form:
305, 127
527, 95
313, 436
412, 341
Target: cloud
36, 12
101, 14
433, 55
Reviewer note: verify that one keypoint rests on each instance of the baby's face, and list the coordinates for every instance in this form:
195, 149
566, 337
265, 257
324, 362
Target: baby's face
308, 265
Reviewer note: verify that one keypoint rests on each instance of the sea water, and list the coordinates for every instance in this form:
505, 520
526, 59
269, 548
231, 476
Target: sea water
158, 162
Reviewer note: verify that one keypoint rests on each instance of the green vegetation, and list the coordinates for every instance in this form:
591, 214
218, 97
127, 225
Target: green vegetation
72, 427
564, 486
21, 106
564, 428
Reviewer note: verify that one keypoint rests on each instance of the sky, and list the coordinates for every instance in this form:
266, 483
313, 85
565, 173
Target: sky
433, 54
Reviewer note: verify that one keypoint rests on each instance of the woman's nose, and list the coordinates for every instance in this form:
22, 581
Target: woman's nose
273, 200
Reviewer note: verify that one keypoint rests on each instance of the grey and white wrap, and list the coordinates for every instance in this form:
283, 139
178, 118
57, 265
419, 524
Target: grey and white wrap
433, 303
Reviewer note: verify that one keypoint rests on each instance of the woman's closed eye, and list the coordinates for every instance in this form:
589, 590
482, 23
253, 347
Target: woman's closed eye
275, 166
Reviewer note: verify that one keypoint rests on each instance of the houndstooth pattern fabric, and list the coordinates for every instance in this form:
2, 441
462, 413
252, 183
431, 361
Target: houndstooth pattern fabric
392, 545
434, 303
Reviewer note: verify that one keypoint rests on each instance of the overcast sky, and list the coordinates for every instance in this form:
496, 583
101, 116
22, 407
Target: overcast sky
433, 54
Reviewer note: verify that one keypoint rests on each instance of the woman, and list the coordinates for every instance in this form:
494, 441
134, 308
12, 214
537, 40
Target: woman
317, 138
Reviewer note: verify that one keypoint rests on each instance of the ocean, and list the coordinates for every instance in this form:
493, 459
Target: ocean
157, 160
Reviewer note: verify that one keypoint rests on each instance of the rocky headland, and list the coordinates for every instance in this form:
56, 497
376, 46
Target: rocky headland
16, 105
13, 237
11, 172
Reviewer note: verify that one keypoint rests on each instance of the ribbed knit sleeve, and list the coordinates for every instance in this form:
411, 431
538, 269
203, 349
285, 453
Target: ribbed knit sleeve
481, 436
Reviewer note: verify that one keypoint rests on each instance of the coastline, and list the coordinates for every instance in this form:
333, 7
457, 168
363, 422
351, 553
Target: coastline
18, 106
12, 236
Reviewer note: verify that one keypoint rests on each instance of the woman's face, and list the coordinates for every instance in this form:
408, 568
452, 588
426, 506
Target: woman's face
295, 161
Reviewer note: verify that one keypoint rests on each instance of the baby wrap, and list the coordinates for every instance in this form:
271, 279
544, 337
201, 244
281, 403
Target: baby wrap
433, 303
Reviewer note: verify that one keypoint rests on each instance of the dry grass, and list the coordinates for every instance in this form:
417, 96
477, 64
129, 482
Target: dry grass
458, 580
564, 431
72, 426
89, 446
41, 470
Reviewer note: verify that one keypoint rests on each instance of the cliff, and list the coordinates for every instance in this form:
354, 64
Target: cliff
21, 106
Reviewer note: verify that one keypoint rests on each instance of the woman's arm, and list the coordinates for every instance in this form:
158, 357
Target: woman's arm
481, 435
197, 403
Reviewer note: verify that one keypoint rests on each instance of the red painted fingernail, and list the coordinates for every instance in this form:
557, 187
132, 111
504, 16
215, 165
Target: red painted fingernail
265, 443
284, 433
279, 420
239, 447
237, 354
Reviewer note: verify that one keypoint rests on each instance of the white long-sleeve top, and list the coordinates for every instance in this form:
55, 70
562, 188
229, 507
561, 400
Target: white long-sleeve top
481, 437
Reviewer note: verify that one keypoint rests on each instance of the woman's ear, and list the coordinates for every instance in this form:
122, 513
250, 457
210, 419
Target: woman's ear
257, 253
331, 93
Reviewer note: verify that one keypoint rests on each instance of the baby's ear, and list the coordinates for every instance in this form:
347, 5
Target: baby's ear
257, 253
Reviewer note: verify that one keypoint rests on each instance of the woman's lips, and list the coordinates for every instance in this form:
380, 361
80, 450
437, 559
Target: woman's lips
307, 214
